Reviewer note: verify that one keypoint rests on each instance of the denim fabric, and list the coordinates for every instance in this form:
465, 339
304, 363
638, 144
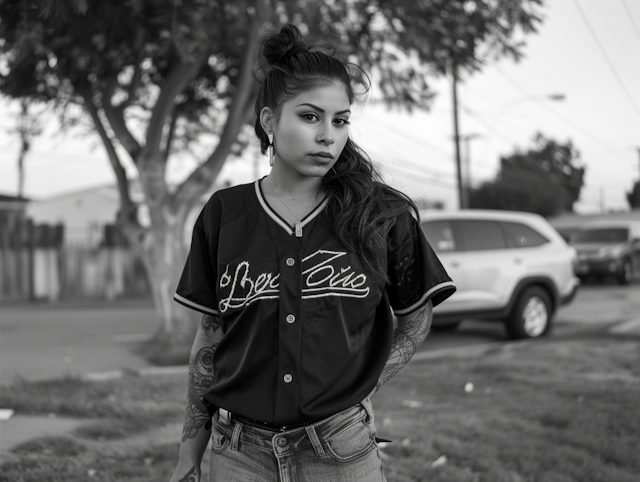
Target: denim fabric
341, 448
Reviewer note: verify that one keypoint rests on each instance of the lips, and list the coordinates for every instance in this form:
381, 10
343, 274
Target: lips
326, 155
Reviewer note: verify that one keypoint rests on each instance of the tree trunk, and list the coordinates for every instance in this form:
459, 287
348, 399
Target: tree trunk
164, 254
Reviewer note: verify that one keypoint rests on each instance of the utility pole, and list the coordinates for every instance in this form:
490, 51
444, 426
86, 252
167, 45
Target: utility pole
462, 192
466, 177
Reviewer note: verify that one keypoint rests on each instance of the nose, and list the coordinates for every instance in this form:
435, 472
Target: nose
326, 137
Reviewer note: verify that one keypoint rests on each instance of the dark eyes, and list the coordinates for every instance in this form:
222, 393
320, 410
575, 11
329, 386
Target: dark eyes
340, 121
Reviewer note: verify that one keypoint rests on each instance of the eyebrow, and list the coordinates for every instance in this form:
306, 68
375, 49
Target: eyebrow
322, 110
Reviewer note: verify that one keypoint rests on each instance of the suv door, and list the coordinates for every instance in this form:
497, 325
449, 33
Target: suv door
442, 239
491, 267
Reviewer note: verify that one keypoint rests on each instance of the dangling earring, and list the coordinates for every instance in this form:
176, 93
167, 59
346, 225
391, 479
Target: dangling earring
270, 149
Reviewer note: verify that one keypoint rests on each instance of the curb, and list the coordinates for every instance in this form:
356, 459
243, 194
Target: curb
629, 327
138, 372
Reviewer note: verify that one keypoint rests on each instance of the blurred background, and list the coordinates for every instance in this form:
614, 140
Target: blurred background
119, 119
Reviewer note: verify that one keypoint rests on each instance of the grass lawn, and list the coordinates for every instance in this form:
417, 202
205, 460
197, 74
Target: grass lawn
549, 411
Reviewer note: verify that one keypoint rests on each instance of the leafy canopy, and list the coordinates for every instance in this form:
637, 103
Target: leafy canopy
158, 77
545, 179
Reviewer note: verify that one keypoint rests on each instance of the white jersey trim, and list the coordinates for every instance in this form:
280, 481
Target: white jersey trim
192, 304
273, 215
425, 297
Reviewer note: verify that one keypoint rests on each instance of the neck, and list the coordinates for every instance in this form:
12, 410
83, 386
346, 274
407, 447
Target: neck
299, 187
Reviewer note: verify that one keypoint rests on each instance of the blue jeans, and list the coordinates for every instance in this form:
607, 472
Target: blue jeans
341, 448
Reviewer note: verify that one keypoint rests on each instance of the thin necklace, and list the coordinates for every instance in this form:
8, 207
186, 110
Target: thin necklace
297, 224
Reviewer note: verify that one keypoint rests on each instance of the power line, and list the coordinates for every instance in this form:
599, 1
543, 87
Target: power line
584, 131
426, 178
633, 22
614, 31
606, 57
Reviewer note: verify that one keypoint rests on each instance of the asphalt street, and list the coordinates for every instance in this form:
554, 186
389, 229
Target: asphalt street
51, 340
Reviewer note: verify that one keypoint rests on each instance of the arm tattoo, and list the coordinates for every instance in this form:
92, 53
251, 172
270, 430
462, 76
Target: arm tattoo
190, 476
406, 341
200, 379
210, 324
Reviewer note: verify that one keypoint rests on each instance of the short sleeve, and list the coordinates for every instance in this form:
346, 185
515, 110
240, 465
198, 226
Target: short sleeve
197, 285
414, 270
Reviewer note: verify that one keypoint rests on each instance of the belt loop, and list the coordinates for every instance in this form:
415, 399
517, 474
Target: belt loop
315, 441
368, 407
235, 435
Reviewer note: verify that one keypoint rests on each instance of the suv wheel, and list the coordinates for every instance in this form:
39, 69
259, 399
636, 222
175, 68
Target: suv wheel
531, 316
627, 273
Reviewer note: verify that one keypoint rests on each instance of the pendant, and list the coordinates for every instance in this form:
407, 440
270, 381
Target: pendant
298, 229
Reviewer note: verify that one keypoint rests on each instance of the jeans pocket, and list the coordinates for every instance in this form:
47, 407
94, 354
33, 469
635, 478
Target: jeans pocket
219, 437
355, 441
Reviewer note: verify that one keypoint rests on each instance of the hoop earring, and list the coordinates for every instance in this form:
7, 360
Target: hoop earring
271, 149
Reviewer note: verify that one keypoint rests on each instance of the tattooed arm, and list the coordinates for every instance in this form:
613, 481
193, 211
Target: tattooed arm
407, 338
195, 435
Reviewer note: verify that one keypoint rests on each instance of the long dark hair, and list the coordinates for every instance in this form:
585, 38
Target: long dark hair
361, 206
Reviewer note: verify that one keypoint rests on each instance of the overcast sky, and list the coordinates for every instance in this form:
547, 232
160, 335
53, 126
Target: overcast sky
587, 50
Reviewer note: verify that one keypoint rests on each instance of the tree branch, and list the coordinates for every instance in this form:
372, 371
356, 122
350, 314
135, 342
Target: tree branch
244, 96
137, 73
175, 83
127, 214
170, 134
116, 120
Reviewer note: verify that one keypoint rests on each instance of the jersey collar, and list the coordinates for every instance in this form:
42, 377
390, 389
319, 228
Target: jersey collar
276, 217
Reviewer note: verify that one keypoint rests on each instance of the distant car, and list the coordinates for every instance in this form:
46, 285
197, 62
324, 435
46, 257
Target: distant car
508, 266
608, 248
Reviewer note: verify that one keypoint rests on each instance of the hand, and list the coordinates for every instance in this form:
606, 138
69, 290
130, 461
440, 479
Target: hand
186, 475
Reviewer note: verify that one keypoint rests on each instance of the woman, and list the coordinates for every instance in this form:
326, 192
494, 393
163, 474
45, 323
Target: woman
296, 275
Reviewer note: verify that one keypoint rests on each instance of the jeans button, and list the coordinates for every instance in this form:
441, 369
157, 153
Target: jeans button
282, 442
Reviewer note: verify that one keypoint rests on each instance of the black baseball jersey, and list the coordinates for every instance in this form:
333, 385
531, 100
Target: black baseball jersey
307, 331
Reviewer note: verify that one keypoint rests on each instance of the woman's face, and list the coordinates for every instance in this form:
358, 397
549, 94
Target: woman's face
312, 131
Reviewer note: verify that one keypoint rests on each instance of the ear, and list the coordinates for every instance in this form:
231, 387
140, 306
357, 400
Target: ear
267, 119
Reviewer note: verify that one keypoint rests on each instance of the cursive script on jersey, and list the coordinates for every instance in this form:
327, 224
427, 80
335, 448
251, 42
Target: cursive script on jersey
324, 273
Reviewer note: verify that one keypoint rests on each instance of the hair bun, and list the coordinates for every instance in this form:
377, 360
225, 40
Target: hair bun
279, 47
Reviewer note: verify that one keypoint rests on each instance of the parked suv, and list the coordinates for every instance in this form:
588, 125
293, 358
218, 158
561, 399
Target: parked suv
608, 248
507, 265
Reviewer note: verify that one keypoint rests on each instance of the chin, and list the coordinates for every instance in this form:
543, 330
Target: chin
316, 171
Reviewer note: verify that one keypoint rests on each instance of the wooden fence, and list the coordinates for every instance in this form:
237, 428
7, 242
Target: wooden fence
35, 264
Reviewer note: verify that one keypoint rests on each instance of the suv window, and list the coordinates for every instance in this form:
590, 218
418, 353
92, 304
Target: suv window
440, 235
522, 236
601, 235
481, 235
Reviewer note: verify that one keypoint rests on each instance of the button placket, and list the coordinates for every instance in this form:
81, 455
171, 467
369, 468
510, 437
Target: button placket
290, 303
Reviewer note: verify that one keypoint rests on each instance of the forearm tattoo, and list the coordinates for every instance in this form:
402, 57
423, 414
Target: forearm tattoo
406, 341
200, 379
210, 324
190, 476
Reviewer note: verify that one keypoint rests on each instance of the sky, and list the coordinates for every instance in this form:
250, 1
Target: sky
587, 51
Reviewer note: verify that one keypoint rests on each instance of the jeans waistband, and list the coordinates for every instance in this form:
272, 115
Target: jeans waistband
310, 434
265, 426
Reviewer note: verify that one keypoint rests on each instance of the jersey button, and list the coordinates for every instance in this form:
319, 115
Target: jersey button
288, 378
291, 261
290, 318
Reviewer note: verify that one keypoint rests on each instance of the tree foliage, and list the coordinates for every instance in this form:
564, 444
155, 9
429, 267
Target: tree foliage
545, 179
160, 77
633, 197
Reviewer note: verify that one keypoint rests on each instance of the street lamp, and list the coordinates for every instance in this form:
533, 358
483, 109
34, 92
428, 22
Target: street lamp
556, 97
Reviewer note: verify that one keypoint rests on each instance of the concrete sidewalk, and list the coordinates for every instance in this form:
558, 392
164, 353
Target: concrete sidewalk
94, 342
